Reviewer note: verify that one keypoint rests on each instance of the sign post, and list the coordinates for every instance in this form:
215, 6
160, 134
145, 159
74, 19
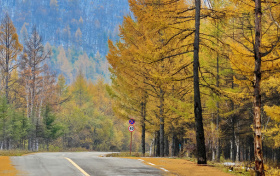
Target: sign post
130, 142
131, 129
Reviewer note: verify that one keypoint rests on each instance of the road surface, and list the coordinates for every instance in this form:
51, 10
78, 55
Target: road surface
79, 164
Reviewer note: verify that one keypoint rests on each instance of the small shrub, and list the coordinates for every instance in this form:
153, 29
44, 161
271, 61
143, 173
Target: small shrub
270, 171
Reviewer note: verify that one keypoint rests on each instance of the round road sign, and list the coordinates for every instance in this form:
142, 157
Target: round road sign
131, 121
131, 128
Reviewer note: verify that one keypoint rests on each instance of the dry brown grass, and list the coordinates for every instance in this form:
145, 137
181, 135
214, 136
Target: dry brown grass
13, 152
183, 167
6, 168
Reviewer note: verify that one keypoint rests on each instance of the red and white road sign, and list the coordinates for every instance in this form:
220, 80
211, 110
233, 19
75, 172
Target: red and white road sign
131, 128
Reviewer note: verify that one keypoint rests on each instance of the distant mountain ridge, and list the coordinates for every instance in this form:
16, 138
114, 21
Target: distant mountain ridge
81, 27
71, 23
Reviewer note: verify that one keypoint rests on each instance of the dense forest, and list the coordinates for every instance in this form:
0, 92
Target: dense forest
200, 79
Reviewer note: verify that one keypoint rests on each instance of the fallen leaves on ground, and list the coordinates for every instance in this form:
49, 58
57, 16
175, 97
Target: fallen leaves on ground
182, 167
6, 168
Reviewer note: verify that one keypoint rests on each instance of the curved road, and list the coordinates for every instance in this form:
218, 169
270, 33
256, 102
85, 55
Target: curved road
79, 164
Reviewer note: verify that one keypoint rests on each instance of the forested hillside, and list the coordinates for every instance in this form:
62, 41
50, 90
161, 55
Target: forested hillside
81, 27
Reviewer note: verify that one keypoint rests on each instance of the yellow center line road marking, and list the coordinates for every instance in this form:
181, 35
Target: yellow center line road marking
78, 167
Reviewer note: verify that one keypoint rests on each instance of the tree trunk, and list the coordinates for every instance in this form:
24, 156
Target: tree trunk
30, 143
9, 144
214, 139
249, 149
231, 150
37, 145
34, 144
245, 151
166, 148
7, 83
277, 155
4, 133
47, 144
151, 147
173, 145
237, 142
218, 154
143, 114
7, 59
161, 129
257, 92
200, 140
157, 144
213, 152
177, 146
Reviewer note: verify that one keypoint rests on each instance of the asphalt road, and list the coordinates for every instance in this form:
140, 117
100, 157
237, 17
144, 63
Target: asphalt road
79, 164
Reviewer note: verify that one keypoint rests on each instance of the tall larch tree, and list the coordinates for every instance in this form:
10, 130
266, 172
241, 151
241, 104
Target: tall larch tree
80, 89
200, 140
125, 83
258, 42
257, 91
10, 48
31, 71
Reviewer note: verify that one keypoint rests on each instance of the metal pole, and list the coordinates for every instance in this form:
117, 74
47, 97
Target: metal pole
130, 142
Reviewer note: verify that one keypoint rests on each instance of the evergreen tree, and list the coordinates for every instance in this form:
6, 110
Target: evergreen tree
52, 130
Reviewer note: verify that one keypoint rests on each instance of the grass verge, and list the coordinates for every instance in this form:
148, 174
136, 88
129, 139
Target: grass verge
14, 152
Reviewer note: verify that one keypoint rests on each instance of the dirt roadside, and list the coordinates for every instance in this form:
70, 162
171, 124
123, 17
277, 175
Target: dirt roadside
6, 167
181, 167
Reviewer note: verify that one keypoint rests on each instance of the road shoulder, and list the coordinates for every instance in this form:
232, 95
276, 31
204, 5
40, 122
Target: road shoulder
181, 167
6, 167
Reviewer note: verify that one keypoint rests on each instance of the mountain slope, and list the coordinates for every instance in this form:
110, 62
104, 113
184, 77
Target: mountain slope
81, 27
71, 23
